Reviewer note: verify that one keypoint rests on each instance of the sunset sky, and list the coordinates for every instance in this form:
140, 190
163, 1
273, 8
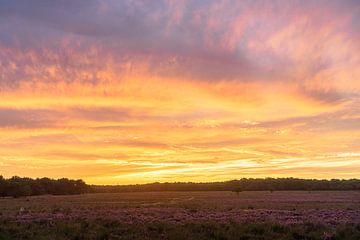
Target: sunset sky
119, 92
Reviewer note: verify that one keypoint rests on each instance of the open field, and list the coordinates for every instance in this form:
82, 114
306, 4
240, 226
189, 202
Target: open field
184, 215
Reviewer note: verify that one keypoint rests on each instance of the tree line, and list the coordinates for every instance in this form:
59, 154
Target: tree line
18, 187
244, 184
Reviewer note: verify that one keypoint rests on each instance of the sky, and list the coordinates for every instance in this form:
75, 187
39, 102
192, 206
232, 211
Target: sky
123, 92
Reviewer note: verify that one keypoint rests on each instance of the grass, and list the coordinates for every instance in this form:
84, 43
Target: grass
109, 229
184, 215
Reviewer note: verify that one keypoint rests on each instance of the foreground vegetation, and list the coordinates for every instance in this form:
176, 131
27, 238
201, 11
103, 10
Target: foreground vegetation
322, 215
105, 229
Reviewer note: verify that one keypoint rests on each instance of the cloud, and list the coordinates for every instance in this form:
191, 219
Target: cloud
345, 119
207, 41
25, 118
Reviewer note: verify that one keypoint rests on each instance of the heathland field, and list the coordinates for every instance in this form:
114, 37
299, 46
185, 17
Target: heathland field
184, 215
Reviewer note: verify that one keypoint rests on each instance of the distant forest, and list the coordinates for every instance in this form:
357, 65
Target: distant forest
18, 187
244, 184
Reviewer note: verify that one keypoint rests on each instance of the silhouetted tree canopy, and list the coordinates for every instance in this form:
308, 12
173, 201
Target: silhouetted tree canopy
244, 184
18, 187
